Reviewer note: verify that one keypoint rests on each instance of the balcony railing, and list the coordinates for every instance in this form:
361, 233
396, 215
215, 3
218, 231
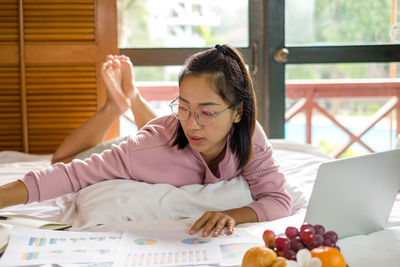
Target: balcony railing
308, 92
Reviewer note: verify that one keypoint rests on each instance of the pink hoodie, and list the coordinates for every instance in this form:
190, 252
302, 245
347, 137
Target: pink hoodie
149, 157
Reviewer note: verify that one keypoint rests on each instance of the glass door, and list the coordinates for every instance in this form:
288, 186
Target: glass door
334, 74
159, 35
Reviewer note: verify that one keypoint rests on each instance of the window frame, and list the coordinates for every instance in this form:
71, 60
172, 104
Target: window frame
254, 56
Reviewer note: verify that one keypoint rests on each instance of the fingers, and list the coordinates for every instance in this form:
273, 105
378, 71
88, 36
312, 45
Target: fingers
213, 222
199, 223
219, 227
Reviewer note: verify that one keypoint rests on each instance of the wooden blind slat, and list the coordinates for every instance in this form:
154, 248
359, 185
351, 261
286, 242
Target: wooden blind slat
74, 91
10, 104
60, 103
45, 24
60, 108
56, 121
38, 13
6, 2
56, 73
10, 138
8, 13
63, 80
58, 1
57, 30
58, 114
10, 6
65, 19
9, 69
4, 24
66, 69
8, 109
60, 132
8, 31
61, 86
53, 99
8, 75
11, 116
45, 126
8, 37
4, 99
16, 126
54, 6
9, 86
59, 37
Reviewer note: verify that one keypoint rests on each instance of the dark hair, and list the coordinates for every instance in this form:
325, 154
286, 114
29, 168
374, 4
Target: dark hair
228, 73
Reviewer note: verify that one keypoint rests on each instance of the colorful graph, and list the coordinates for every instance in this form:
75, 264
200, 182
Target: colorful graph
166, 258
196, 241
54, 241
145, 241
231, 250
226, 236
56, 251
30, 255
235, 250
78, 250
102, 251
77, 239
37, 242
98, 238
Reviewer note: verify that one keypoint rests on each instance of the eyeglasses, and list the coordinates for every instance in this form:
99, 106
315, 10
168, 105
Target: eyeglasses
203, 116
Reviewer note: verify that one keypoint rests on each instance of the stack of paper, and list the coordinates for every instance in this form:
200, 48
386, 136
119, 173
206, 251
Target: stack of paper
8, 220
131, 248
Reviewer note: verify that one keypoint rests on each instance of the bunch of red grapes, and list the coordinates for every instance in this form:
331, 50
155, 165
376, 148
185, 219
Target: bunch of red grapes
308, 236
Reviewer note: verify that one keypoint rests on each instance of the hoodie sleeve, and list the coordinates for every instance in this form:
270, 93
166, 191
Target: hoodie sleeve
60, 178
266, 182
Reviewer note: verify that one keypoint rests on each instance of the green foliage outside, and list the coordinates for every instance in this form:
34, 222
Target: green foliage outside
328, 148
327, 22
341, 22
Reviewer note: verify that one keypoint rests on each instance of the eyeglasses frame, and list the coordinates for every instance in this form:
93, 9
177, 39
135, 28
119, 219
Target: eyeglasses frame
196, 116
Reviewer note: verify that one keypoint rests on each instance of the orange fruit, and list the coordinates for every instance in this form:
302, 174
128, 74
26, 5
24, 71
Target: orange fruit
330, 257
258, 257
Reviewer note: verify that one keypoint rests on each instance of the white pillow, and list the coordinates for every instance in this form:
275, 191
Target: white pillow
124, 200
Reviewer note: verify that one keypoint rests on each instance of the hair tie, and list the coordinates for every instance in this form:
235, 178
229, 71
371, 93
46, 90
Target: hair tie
221, 49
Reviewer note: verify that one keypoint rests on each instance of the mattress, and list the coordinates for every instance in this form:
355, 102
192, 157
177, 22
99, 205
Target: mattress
110, 206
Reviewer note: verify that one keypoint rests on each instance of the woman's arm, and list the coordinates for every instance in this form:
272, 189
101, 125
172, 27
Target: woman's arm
13, 193
266, 181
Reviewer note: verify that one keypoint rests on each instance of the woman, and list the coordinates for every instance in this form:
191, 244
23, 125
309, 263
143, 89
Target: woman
212, 135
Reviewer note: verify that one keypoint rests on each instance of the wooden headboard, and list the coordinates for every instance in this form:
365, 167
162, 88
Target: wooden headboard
50, 55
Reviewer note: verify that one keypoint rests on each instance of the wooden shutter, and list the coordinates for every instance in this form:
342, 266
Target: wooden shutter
51, 52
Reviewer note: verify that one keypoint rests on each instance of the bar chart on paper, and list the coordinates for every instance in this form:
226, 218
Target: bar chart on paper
161, 248
162, 258
37, 246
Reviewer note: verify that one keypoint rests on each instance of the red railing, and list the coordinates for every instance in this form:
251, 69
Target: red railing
307, 92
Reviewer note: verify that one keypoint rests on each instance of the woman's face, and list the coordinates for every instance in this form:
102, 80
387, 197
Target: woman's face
196, 92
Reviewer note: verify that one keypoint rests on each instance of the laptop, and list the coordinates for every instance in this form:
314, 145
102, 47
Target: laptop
355, 196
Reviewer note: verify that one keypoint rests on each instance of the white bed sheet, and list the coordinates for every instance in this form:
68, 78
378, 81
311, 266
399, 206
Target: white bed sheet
299, 162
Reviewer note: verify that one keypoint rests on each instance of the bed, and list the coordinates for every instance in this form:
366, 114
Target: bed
110, 206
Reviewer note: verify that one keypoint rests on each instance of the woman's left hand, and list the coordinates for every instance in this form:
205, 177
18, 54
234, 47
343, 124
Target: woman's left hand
215, 222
